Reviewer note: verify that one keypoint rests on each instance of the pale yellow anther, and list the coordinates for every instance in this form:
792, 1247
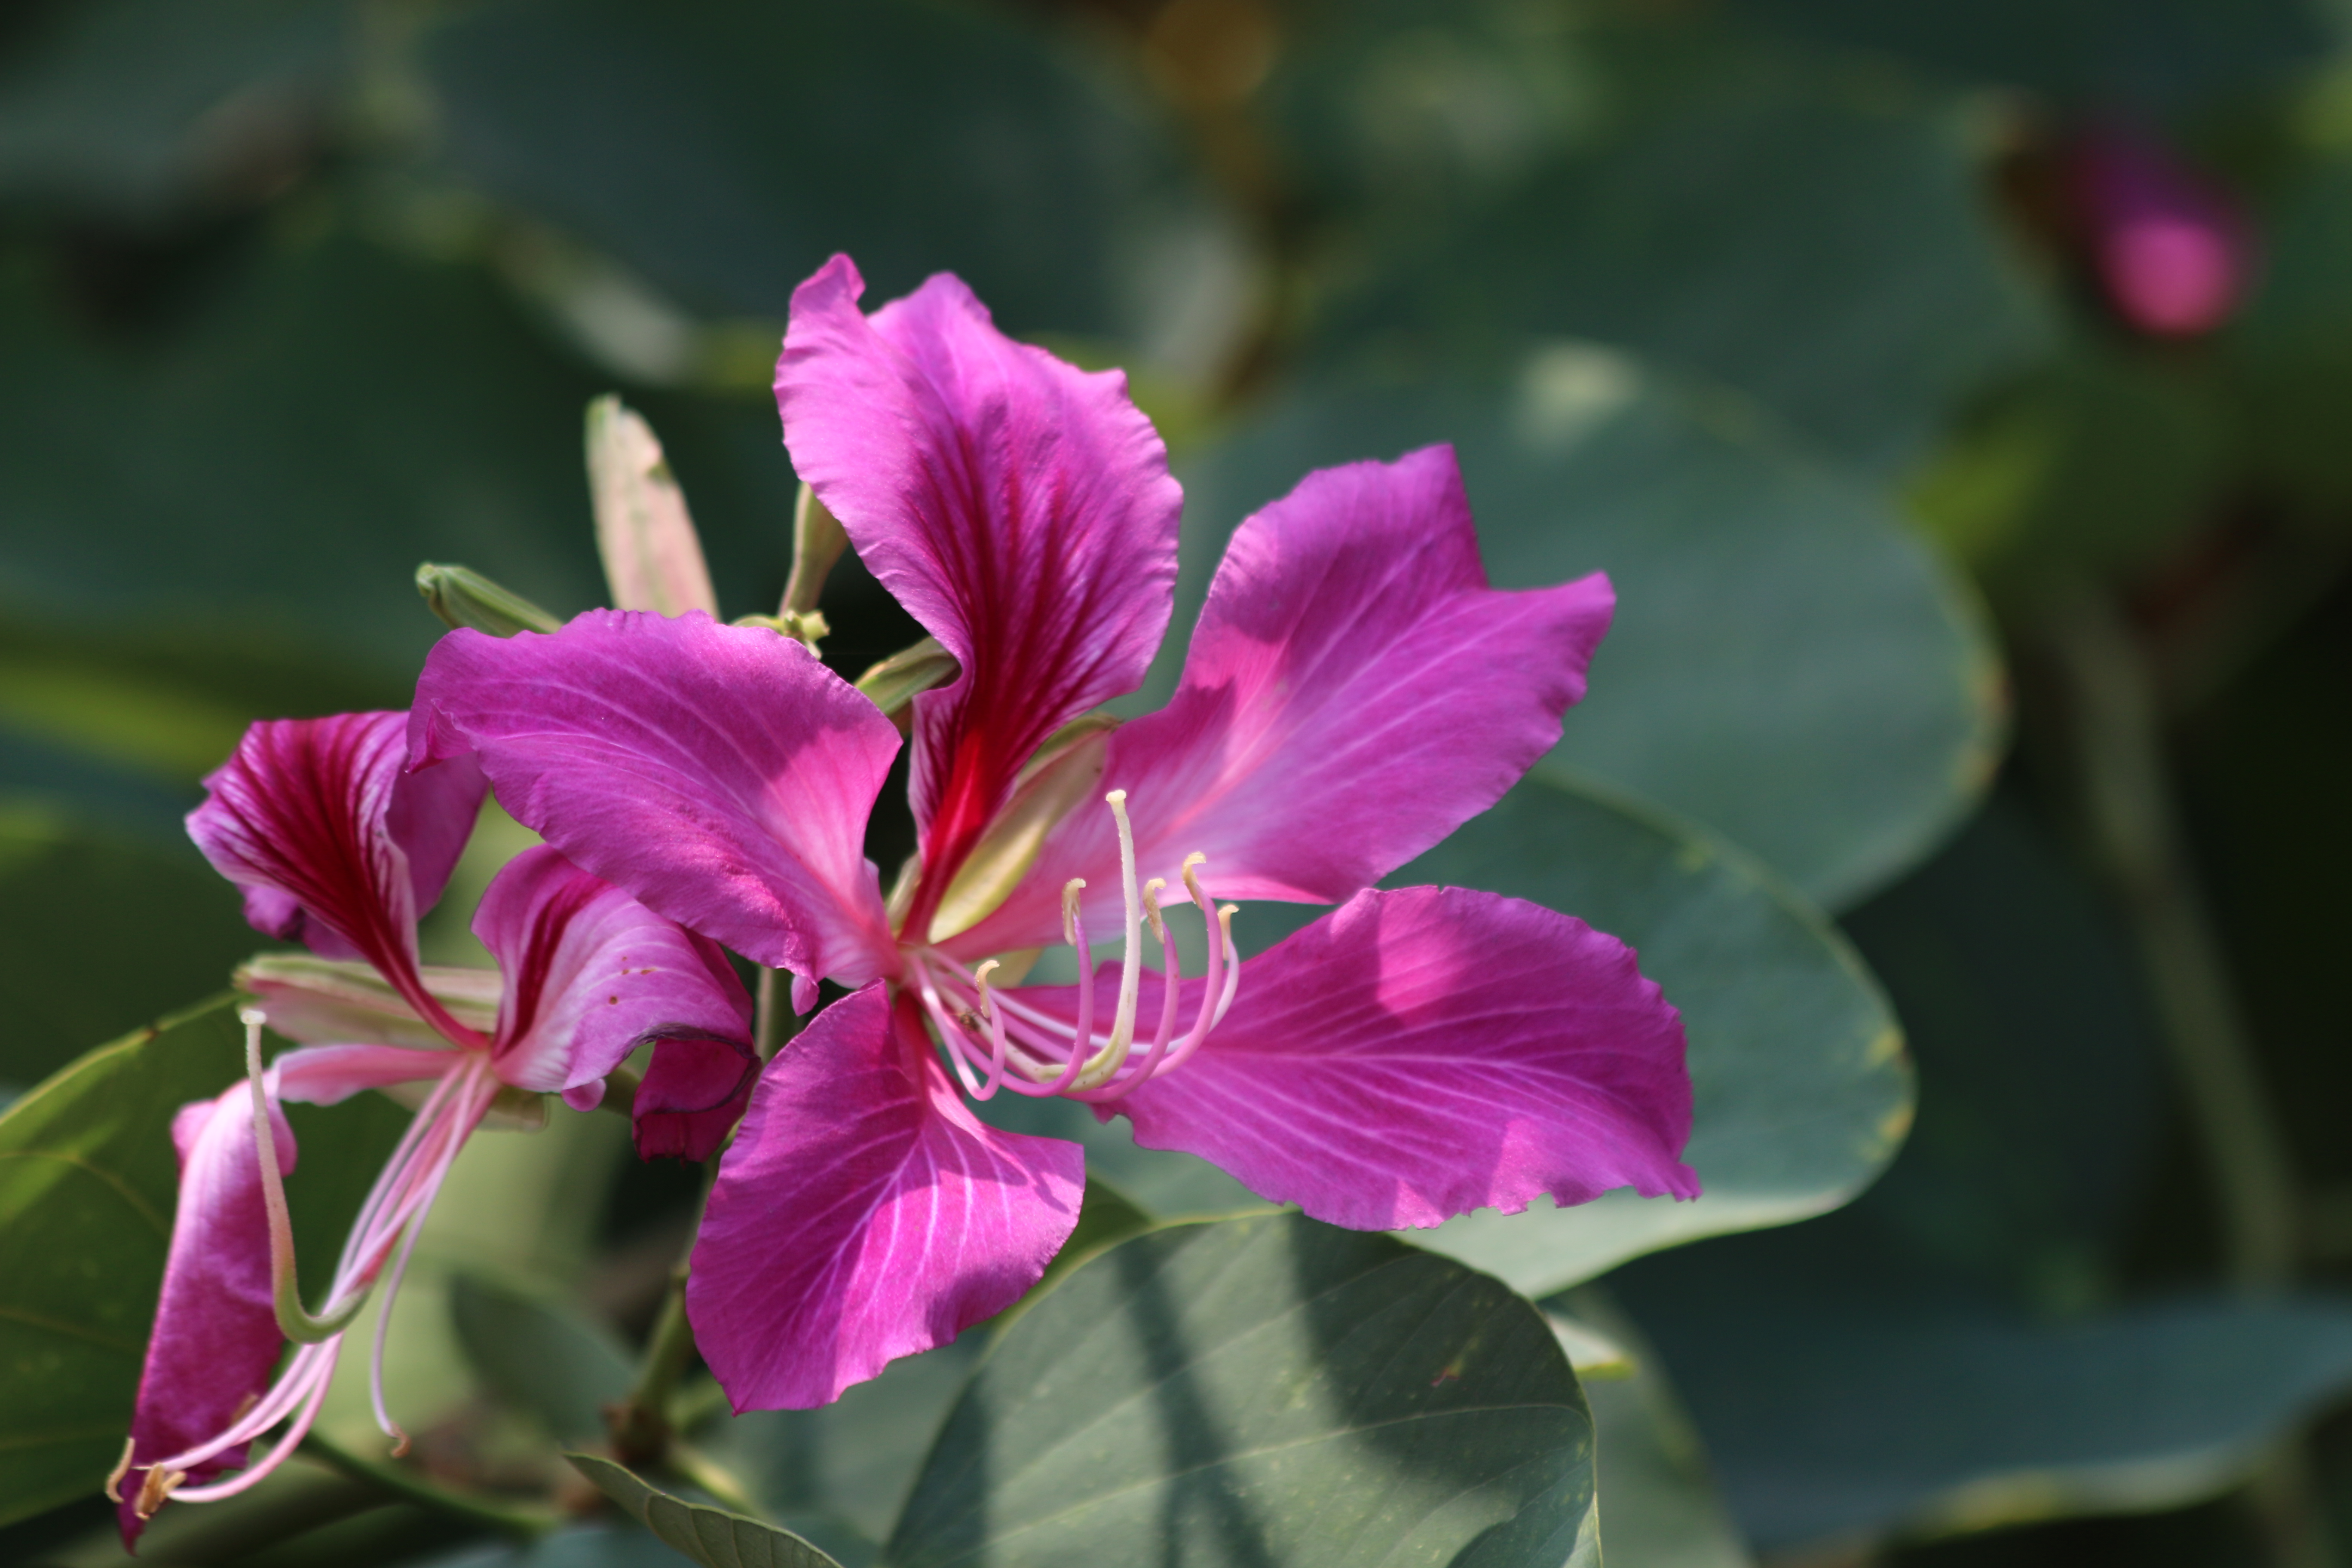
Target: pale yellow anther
987, 1008
156, 1490
1151, 891
1070, 891
1193, 883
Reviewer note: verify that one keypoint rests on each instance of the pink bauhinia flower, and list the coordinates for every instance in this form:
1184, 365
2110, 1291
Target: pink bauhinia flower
1355, 691
336, 845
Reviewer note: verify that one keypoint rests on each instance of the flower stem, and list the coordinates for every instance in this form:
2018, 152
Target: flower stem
409, 1487
2128, 802
641, 1423
643, 1430
2128, 806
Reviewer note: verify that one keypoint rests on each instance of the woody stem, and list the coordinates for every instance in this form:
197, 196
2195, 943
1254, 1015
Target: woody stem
641, 1426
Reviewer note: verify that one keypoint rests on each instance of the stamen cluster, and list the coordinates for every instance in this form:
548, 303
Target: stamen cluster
1021, 1047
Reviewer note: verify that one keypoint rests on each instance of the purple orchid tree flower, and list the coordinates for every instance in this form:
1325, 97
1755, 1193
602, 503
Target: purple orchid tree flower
336, 845
1355, 690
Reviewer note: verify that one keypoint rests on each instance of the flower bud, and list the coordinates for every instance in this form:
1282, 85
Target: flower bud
462, 597
653, 559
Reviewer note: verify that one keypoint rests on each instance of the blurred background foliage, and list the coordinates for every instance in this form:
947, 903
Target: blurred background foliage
1980, 678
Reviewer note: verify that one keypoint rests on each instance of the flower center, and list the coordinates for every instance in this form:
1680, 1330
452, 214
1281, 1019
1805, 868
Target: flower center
997, 1041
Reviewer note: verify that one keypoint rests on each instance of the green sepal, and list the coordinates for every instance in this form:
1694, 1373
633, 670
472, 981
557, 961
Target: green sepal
893, 684
464, 598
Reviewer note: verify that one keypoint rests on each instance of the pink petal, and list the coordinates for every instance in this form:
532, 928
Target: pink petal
334, 844
215, 1341
590, 972
322, 1001
719, 773
324, 1075
1021, 509
1355, 691
864, 1215
1418, 1054
695, 1090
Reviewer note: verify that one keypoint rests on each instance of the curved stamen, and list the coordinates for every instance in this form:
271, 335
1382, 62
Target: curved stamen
1029, 1051
1171, 982
996, 1041
393, 1213
285, 1286
255, 1473
1074, 926
1107, 1061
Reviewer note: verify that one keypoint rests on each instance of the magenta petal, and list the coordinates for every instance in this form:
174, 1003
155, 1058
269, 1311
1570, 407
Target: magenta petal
1355, 691
719, 773
1021, 509
863, 1213
333, 843
215, 1341
694, 1093
590, 972
1418, 1054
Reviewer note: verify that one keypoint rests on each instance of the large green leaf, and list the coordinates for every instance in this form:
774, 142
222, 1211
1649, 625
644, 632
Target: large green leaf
1803, 1089
2072, 50
100, 933
1787, 665
1840, 1395
1268, 1391
712, 1537
725, 150
338, 412
139, 109
88, 1185
1813, 234
1977, 1285
1660, 1507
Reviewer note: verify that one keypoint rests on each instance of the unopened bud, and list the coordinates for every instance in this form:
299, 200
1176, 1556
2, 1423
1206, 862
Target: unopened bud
653, 559
462, 597
818, 539
892, 684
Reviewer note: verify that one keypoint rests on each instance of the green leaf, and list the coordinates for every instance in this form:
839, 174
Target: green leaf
1662, 1508
140, 109
1787, 665
88, 1182
1803, 1089
1791, 1354
1265, 1390
99, 932
540, 1355
1815, 235
681, 139
709, 1536
2072, 50
1979, 1281
462, 442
